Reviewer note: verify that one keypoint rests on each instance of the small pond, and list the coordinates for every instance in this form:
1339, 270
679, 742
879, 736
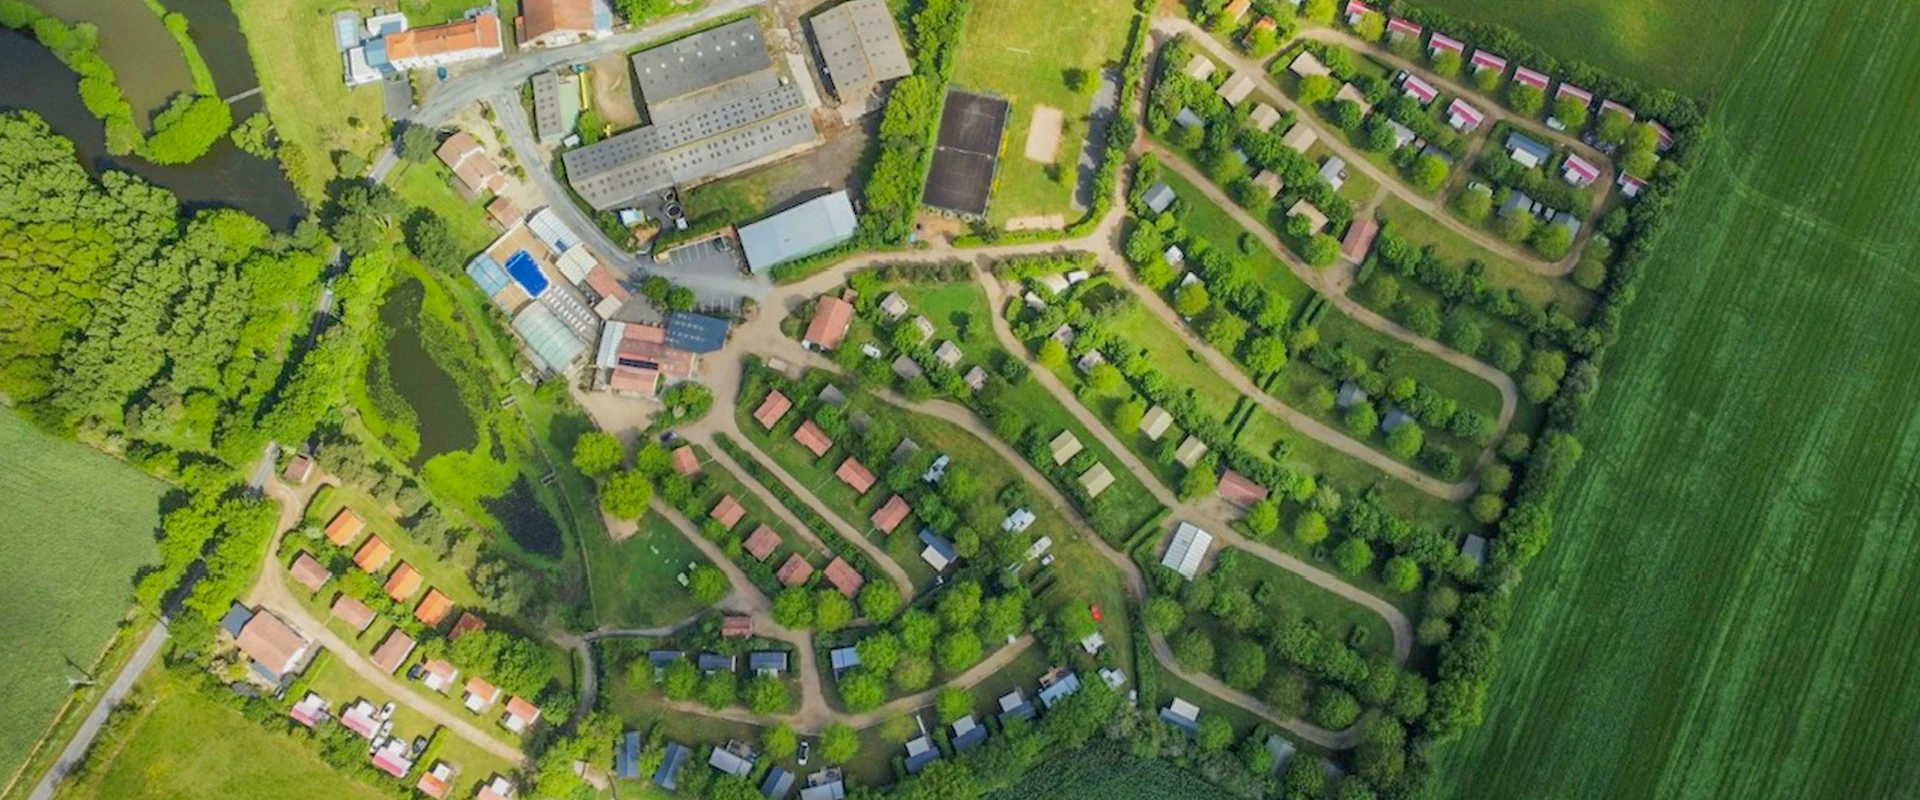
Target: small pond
446, 426
527, 522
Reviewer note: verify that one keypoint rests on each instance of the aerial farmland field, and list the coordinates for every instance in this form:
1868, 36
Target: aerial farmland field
1728, 606
92, 520
1689, 47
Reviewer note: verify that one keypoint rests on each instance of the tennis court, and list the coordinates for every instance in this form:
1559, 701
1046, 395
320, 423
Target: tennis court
967, 152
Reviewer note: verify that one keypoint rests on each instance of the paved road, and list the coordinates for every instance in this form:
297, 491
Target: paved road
1337, 141
76, 750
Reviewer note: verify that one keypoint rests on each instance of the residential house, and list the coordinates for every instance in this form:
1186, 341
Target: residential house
545, 23
1016, 521
433, 608
1463, 117
841, 659
1269, 183
772, 409
1096, 479
906, 368
1334, 172
480, 695
462, 40
854, 475
1579, 171
1299, 138
1158, 198
714, 663
794, 572
393, 651
1527, 77
728, 512
476, 173
404, 581
1483, 61
1441, 43
437, 782
439, 674
1156, 422
831, 317
947, 354
373, 555
1474, 549
938, 551
1421, 91
520, 715
1307, 65
298, 470
308, 572
891, 514
310, 711
1064, 447
668, 775
356, 614
844, 577
762, 543
975, 379
1359, 240
274, 647
1240, 490
345, 527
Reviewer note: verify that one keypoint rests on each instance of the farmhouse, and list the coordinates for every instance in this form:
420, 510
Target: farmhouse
714, 105
762, 543
891, 514
1463, 117
1484, 60
1188, 549
795, 572
860, 47
393, 651
1096, 479
545, 23
772, 409
1235, 89
1579, 171
1156, 422
831, 316
1525, 151
811, 437
345, 527
810, 228
844, 577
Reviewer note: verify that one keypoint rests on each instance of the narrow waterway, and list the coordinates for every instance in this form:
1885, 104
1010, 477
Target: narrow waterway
135, 42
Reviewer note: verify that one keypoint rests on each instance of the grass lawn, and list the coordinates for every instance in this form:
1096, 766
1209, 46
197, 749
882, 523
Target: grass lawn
292, 47
1726, 609
1007, 50
341, 685
1692, 47
229, 757
81, 524
426, 185
721, 483
1212, 223
634, 580
1415, 226
1297, 595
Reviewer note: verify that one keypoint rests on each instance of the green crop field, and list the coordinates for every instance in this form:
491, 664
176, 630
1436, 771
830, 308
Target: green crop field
228, 757
77, 526
1687, 46
1728, 606
1026, 53
1104, 770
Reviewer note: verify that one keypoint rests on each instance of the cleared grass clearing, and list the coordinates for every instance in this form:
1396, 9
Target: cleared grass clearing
1210, 222
634, 583
291, 42
1727, 607
1416, 226
1026, 54
78, 526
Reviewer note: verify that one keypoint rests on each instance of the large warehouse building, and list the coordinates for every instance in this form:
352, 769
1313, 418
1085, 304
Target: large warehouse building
714, 104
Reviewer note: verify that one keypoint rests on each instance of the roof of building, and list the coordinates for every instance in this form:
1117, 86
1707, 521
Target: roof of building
905, 367
920, 753
976, 378
1316, 220
504, 212
1096, 479
1486, 60
831, 316
670, 764
404, 581
1158, 197
1582, 168
626, 759
714, 662
854, 474
778, 785
353, 612
703, 136
891, 514
554, 344
736, 625
236, 618
308, 572
685, 462
479, 32
772, 409
701, 62
728, 511
1522, 143
762, 542
345, 527
1188, 118
1537, 80
948, 353
1064, 447
844, 577
811, 437
1155, 422
661, 658
1469, 115
373, 555
1264, 116
860, 45
1440, 41
479, 687
1419, 89
548, 122
272, 644
843, 658
763, 660
433, 608
1199, 67
1402, 27
1394, 419
518, 708
968, 733
696, 333
1236, 88
727, 761
1240, 490
467, 623
544, 17
1053, 693
794, 572
1190, 451
1183, 715
1475, 548
1360, 236
938, 551
1570, 90
393, 651
1188, 549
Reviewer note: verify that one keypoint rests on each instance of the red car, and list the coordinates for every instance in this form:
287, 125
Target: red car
1096, 613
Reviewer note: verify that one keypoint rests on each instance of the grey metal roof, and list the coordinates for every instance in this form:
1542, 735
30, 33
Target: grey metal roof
1188, 118
714, 662
1475, 547
237, 617
767, 660
1282, 751
778, 785
1350, 393
701, 61
1517, 201
811, 227
968, 734
1394, 420
1167, 716
920, 753
1159, 197
696, 333
938, 543
718, 136
860, 45
725, 761
661, 658
669, 771
553, 343
1519, 141
1060, 690
546, 107
844, 658
626, 763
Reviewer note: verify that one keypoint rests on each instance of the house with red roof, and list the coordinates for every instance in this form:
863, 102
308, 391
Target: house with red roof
1527, 77
844, 577
1399, 28
1441, 43
1630, 186
1237, 9
1610, 107
685, 463
1579, 171
1666, 136
1412, 86
831, 317
356, 614
855, 475
359, 718
1356, 9
890, 515
480, 695
762, 543
394, 758
1577, 93
439, 674
811, 437
736, 626
433, 608
1240, 490
772, 409
437, 782
308, 572
345, 527
393, 651
795, 572
404, 581
1483, 60
1463, 117
1360, 236
728, 512
467, 623
373, 555
309, 711
520, 715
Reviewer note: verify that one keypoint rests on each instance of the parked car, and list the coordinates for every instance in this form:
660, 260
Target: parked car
805, 748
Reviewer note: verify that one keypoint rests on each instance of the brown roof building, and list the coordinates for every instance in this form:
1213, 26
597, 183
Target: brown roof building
811, 437
433, 608
762, 543
373, 555
891, 514
504, 213
1240, 490
795, 572
477, 37
831, 316
855, 475
772, 409
345, 527
467, 623
728, 512
273, 645
844, 577
298, 470
736, 626
309, 573
1359, 239
470, 165
393, 651
404, 581
353, 612
685, 463
550, 22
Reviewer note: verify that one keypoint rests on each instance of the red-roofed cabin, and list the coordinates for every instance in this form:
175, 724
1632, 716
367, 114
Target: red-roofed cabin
762, 543
1483, 60
1463, 117
467, 623
1579, 171
520, 715
845, 578
1527, 77
831, 316
728, 512
1357, 9
1397, 28
772, 409
1439, 42
736, 626
1577, 93
891, 514
1237, 9
685, 463
811, 437
1240, 490
795, 572
345, 527
1359, 239
854, 474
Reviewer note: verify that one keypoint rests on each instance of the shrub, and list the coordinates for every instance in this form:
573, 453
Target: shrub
1353, 556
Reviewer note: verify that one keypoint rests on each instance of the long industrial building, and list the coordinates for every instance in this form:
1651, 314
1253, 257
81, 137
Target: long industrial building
714, 104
